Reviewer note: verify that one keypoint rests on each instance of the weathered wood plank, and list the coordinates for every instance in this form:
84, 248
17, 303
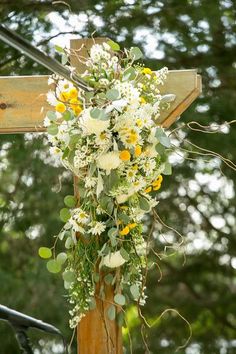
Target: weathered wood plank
22, 99
21, 102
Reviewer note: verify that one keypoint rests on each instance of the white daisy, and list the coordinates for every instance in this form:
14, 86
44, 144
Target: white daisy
97, 228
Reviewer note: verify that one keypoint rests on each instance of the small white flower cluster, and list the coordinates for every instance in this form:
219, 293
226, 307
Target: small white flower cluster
109, 139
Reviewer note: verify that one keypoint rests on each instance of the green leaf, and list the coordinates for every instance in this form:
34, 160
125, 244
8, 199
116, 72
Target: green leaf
96, 277
165, 141
112, 94
51, 115
61, 258
64, 59
111, 312
65, 214
135, 291
167, 169
136, 53
114, 46
67, 115
124, 254
124, 217
45, 252
70, 201
119, 299
100, 114
92, 303
160, 149
74, 139
59, 49
120, 318
144, 204
69, 243
129, 74
108, 279
52, 129
68, 276
53, 266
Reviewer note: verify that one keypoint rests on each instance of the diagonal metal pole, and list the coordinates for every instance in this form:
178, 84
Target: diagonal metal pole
13, 39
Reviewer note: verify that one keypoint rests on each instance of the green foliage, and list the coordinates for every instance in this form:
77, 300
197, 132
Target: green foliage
191, 34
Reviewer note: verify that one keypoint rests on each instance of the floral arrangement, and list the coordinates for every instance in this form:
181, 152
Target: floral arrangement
109, 139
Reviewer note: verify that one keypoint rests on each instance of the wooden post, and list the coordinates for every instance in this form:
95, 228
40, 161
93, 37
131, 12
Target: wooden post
96, 334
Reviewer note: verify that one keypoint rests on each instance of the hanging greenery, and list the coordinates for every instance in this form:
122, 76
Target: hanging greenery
109, 139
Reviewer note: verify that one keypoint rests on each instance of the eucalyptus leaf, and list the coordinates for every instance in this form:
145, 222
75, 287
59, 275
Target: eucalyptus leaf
111, 312
69, 243
64, 59
45, 252
129, 74
112, 94
124, 254
70, 201
59, 49
68, 276
51, 115
61, 258
168, 169
136, 53
108, 279
52, 129
144, 204
67, 115
53, 266
119, 299
135, 291
120, 318
92, 303
97, 113
65, 214
114, 46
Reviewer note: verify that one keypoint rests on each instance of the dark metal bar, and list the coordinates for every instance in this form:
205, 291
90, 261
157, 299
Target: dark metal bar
21, 322
16, 41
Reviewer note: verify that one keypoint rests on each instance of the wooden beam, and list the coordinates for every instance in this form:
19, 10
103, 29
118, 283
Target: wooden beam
22, 98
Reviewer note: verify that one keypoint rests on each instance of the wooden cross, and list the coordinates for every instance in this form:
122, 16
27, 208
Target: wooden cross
21, 102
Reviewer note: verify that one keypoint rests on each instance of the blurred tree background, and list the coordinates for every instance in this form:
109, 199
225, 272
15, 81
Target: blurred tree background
198, 199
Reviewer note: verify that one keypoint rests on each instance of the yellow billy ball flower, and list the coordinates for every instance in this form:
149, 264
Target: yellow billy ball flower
157, 187
148, 190
60, 107
125, 231
147, 71
64, 96
73, 93
75, 105
137, 151
157, 181
142, 100
132, 226
125, 155
139, 122
132, 138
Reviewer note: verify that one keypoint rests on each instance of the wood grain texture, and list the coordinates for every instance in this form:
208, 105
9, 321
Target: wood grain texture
21, 102
22, 98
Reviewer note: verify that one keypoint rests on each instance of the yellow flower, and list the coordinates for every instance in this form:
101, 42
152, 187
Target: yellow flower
125, 231
139, 122
125, 155
132, 226
132, 138
75, 105
60, 107
64, 96
148, 190
137, 151
147, 71
158, 186
157, 181
73, 93
142, 100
